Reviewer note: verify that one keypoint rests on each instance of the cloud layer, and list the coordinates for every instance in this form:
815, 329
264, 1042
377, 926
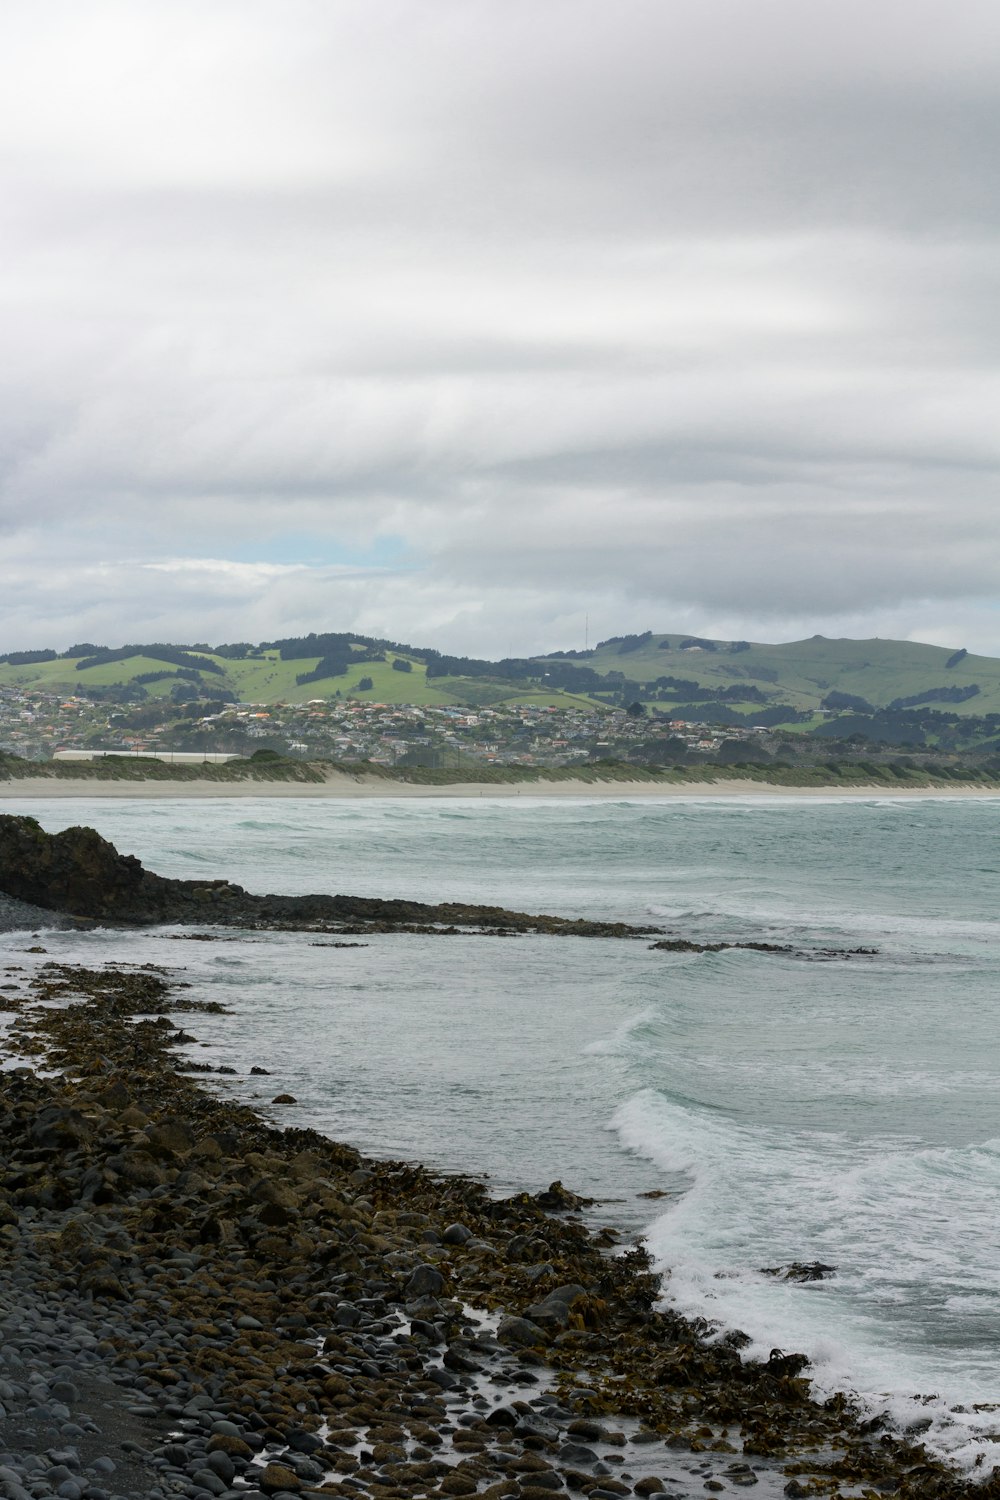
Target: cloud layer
462, 323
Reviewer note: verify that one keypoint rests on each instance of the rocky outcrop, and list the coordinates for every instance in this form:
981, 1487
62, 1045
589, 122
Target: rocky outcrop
80, 873
76, 871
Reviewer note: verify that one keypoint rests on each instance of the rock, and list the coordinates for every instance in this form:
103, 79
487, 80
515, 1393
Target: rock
557, 1199
207, 1479
583, 1427
277, 1477
456, 1234
79, 872
554, 1309
426, 1281
75, 871
520, 1332
170, 1137
57, 1127
798, 1270
224, 1442
284, 1099
532, 1425
577, 1453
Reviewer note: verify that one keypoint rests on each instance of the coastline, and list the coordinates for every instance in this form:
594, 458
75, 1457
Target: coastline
269, 1306
340, 785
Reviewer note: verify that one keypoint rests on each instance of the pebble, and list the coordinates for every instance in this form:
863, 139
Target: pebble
243, 1292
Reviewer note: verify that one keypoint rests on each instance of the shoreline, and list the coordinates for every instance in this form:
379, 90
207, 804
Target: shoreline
333, 1324
340, 785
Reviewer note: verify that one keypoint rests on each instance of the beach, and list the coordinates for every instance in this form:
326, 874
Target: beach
678, 1084
337, 784
207, 1304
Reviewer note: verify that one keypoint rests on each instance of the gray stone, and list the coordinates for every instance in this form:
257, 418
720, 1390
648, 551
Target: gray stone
426, 1281
220, 1463
520, 1332
456, 1234
207, 1479
577, 1453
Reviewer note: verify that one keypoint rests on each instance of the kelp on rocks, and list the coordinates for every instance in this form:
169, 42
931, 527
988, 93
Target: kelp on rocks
312, 1315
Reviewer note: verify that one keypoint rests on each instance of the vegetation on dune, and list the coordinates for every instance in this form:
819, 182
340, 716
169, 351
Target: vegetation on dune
268, 766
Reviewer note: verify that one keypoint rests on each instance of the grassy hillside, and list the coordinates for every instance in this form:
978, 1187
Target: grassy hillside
802, 673
798, 673
265, 678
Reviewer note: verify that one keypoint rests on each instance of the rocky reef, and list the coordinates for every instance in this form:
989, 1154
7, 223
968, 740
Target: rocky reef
81, 874
82, 878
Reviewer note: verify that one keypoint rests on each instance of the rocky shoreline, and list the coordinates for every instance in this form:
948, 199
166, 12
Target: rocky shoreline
78, 873
81, 879
195, 1302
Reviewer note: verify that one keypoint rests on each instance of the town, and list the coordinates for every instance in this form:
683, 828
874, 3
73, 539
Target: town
42, 726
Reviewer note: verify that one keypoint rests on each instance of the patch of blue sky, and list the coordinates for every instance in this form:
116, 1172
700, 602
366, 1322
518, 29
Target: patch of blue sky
318, 551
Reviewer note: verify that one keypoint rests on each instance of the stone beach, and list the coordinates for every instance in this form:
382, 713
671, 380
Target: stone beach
195, 1302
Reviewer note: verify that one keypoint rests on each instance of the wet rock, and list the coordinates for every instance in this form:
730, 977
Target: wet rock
257, 1290
798, 1270
553, 1312
456, 1234
557, 1199
426, 1281
79, 872
277, 1477
58, 1127
520, 1332
577, 1453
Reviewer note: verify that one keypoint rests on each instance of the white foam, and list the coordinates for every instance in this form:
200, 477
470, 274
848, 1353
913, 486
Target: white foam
915, 1301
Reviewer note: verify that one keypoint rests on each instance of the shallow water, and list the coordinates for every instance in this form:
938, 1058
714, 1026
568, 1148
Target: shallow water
795, 1107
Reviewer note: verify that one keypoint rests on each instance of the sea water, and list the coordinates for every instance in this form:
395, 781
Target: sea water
804, 1106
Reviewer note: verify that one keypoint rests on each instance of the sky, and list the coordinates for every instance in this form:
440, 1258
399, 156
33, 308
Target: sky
499, 326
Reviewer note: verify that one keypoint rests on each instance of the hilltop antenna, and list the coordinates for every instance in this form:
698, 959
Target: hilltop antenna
586, 632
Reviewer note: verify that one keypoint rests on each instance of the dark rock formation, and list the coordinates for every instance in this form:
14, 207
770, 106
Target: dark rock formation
81, 873
76, 871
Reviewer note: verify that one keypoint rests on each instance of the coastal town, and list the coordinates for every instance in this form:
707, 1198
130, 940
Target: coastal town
43, 726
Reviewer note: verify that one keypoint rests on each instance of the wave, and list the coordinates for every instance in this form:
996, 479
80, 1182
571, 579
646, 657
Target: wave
915, 1300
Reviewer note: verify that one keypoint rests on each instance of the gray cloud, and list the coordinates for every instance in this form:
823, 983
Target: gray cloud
675, 315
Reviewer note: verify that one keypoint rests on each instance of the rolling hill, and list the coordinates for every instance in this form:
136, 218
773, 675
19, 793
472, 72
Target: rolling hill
812, 679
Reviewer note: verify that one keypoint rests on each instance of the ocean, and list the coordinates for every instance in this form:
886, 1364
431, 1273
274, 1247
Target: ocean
800, 1107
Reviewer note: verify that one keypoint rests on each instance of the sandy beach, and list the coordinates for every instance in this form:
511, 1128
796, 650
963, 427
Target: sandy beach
337, 784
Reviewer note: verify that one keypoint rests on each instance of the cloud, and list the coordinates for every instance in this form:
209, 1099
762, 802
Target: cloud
668, 314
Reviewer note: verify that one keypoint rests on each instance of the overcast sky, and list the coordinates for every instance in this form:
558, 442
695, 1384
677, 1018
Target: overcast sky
460, 321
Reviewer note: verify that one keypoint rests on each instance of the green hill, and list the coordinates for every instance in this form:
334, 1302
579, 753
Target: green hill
804, 673
752, 680
265, 676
